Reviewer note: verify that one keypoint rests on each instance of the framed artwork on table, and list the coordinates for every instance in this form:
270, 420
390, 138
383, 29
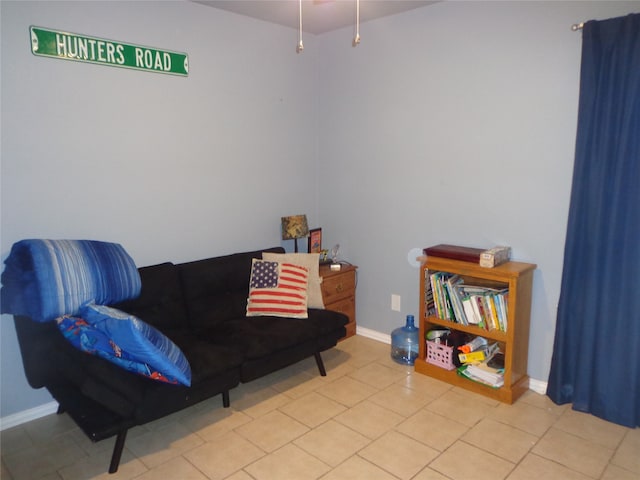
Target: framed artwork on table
315, 240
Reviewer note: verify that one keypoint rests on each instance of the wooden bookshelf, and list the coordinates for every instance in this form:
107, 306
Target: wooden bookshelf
514, 342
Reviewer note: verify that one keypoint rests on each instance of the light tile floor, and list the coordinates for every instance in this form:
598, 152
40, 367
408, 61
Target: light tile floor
368, 419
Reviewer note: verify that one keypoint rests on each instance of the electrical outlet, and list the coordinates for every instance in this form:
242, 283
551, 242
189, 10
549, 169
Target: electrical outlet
395, 302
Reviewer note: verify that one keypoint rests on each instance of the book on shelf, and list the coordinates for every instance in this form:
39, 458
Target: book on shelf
470, 312
489, 306
430, 306
441, 298
452, 285
437, 305
448, 297
491, 313
482, 311
503, 301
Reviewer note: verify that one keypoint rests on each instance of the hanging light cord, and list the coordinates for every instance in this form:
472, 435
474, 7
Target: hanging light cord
356, 39
300, 46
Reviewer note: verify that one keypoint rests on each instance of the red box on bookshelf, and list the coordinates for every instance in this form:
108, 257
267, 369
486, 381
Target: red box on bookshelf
454, 252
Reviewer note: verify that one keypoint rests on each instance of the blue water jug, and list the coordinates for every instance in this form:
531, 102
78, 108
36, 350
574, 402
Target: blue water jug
404, 343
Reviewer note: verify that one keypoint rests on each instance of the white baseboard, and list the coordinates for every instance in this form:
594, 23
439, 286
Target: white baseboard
537, 386
374, 335
28, 415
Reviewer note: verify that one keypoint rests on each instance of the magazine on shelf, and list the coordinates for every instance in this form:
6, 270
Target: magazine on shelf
483, 373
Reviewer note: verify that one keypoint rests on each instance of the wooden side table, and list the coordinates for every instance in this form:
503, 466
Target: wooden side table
339, 292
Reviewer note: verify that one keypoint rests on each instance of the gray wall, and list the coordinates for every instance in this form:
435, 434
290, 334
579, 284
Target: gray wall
172, 168
453, 123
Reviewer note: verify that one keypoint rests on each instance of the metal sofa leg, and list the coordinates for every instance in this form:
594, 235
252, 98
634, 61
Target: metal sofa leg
117, 451
320, 364
225, 399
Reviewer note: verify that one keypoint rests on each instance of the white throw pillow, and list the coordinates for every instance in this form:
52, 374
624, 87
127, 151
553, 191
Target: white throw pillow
311, 261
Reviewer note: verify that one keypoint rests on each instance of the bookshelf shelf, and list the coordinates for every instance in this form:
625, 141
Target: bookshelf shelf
517, 277
495, 335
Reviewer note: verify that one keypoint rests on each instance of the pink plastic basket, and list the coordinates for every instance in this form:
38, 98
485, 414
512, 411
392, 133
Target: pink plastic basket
440, 355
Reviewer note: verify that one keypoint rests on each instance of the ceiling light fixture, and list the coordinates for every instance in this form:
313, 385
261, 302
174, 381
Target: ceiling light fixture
356, 39
300, 46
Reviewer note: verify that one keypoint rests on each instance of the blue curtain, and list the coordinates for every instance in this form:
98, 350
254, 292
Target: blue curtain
596, 354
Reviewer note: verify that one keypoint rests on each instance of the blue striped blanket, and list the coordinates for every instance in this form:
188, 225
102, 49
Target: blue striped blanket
44, 279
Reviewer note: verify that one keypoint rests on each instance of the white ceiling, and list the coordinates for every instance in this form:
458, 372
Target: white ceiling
318, 16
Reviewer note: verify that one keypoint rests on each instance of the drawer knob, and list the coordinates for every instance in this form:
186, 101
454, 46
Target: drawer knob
339, 288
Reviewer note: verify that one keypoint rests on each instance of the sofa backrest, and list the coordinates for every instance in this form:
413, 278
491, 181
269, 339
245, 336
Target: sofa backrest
216, 289
39, 343
161, 301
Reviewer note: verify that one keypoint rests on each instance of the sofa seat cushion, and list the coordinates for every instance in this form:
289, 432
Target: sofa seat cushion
215, 368
134, 396
327, 321
257, 337
207, 360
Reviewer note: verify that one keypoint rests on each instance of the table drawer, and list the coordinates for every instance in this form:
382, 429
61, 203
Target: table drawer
346, 306
337, 287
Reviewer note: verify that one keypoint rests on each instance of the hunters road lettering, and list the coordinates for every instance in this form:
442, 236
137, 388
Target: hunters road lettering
153, 60
89, 49
108, 52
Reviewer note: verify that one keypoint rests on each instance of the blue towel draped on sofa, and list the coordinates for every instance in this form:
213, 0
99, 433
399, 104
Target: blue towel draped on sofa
44, 279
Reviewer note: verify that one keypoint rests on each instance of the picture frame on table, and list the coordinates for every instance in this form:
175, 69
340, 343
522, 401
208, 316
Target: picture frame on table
315, 240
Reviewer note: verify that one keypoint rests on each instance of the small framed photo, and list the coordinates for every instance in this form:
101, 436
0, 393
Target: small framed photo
315, 240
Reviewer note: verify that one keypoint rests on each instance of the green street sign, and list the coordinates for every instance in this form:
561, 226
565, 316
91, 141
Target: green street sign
80, 48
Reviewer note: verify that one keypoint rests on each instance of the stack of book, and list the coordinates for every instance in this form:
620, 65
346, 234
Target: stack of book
449, 298
484, 372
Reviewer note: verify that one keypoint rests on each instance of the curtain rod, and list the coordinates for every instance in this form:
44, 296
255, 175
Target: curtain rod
577, 26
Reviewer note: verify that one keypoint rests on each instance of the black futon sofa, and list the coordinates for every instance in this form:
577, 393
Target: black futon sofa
201, 307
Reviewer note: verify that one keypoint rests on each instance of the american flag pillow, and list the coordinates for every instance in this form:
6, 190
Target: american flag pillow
277, 289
